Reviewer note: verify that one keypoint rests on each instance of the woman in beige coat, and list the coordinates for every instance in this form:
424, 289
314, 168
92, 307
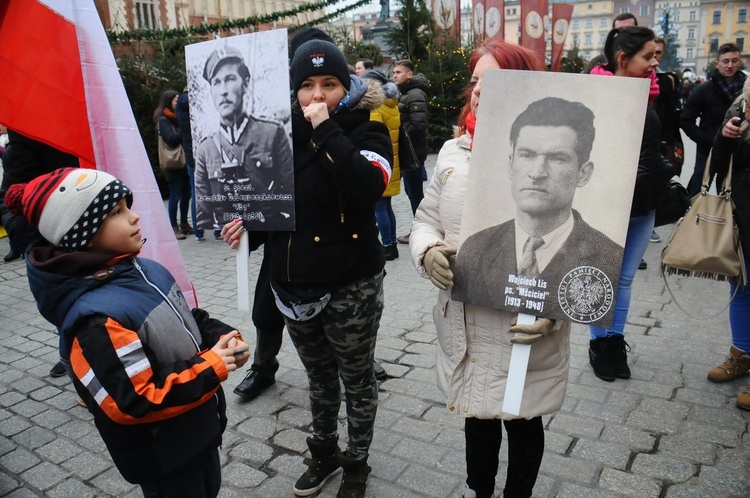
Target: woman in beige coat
474, 343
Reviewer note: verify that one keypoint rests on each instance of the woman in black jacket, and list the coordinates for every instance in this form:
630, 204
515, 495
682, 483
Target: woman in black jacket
630, 52
327, 275
168, 129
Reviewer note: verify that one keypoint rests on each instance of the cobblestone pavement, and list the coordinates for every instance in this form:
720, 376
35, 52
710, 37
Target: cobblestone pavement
666, 433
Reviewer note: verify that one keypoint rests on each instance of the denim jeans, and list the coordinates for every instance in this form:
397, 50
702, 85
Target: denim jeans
639, 232
386, 220
413, 186
739, 314
179, 192
694, 185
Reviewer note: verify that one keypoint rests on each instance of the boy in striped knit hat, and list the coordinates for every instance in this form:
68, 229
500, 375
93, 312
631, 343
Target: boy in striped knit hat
148, 368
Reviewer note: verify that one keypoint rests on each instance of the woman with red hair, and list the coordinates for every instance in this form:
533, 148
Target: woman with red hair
474, 343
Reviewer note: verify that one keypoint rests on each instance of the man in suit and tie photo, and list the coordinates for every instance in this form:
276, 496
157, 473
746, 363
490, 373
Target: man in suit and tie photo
547, 261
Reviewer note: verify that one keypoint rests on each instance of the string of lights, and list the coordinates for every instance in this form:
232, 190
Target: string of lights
248, 22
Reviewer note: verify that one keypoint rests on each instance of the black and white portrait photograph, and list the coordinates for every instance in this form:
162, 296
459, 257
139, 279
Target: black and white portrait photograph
549, 193
240, 121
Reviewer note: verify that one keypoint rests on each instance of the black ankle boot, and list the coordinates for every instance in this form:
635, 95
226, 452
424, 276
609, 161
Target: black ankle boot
600, 357
388, 251
354, 482
321, 466
394, 248
620, 350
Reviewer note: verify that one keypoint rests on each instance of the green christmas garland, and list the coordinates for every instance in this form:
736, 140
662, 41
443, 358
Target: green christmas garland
204, 29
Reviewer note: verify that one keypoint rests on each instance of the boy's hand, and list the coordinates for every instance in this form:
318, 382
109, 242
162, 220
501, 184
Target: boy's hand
241, 351
316, 113
232, 231
225, 352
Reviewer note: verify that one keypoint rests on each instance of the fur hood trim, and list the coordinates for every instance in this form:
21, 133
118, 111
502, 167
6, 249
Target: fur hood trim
373, 96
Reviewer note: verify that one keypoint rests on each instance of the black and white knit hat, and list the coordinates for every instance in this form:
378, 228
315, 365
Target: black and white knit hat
318, 58
68, 205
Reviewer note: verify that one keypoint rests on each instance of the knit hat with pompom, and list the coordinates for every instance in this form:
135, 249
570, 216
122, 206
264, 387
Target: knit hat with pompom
68, 205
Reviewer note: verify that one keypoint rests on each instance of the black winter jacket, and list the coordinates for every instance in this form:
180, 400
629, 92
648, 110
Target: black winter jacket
654, 171
708, 103
336, 187
413, 107
170, 133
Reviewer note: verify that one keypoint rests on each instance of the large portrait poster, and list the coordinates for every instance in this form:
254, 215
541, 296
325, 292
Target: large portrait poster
240, 114
548, 197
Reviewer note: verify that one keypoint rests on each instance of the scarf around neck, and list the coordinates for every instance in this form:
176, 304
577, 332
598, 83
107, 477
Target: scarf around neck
169, 114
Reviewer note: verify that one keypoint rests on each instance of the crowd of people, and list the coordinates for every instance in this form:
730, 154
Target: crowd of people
150, 369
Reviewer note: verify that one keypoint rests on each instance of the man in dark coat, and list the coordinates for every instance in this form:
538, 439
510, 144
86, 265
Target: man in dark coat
413, 107
709, 102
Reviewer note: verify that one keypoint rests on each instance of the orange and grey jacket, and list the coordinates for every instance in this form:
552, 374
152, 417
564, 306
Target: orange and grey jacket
137, 355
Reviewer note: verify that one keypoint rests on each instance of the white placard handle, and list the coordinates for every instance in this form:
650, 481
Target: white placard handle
519, 363
243, 270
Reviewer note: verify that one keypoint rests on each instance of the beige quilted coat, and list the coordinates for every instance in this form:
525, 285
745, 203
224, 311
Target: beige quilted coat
474, 346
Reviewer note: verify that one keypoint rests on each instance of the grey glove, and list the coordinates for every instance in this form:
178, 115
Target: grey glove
437, 266
532, 333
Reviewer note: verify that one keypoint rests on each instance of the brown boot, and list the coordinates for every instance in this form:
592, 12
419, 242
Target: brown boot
736, 364
743, 400
178, 233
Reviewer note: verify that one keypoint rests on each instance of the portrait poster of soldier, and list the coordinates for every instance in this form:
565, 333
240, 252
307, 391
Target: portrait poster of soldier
240, 120
549, 192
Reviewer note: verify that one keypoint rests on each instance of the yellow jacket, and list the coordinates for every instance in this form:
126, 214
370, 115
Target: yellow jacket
388, 114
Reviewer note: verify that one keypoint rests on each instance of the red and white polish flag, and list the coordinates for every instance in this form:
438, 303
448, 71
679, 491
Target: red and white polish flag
61, 86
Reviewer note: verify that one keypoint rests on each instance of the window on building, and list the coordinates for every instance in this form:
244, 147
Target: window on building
740, 42
587, 56
742, 15
713, 47
692, 16
576, 24
716, 18
603, 22
589, 23
145, 14
602, 38
644, 10
624, 10
587, 39
590, 6
689, 53
691, 34
677, 16
575, 38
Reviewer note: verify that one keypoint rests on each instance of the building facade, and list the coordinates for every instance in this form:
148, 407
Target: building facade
589, 25
722, 22
124, 15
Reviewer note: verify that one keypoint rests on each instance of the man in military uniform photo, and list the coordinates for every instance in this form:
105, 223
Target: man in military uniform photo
245, 169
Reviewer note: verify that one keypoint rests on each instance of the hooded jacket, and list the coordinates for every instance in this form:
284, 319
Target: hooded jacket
414, 109
137, 356
389, 115
341, 169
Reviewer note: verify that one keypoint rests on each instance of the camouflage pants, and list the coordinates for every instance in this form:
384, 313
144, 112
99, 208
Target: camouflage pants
340, 342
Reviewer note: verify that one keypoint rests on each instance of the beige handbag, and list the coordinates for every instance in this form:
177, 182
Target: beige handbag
706, 241
170, 158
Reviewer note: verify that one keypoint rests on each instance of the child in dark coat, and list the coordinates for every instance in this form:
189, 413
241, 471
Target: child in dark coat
148, 368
